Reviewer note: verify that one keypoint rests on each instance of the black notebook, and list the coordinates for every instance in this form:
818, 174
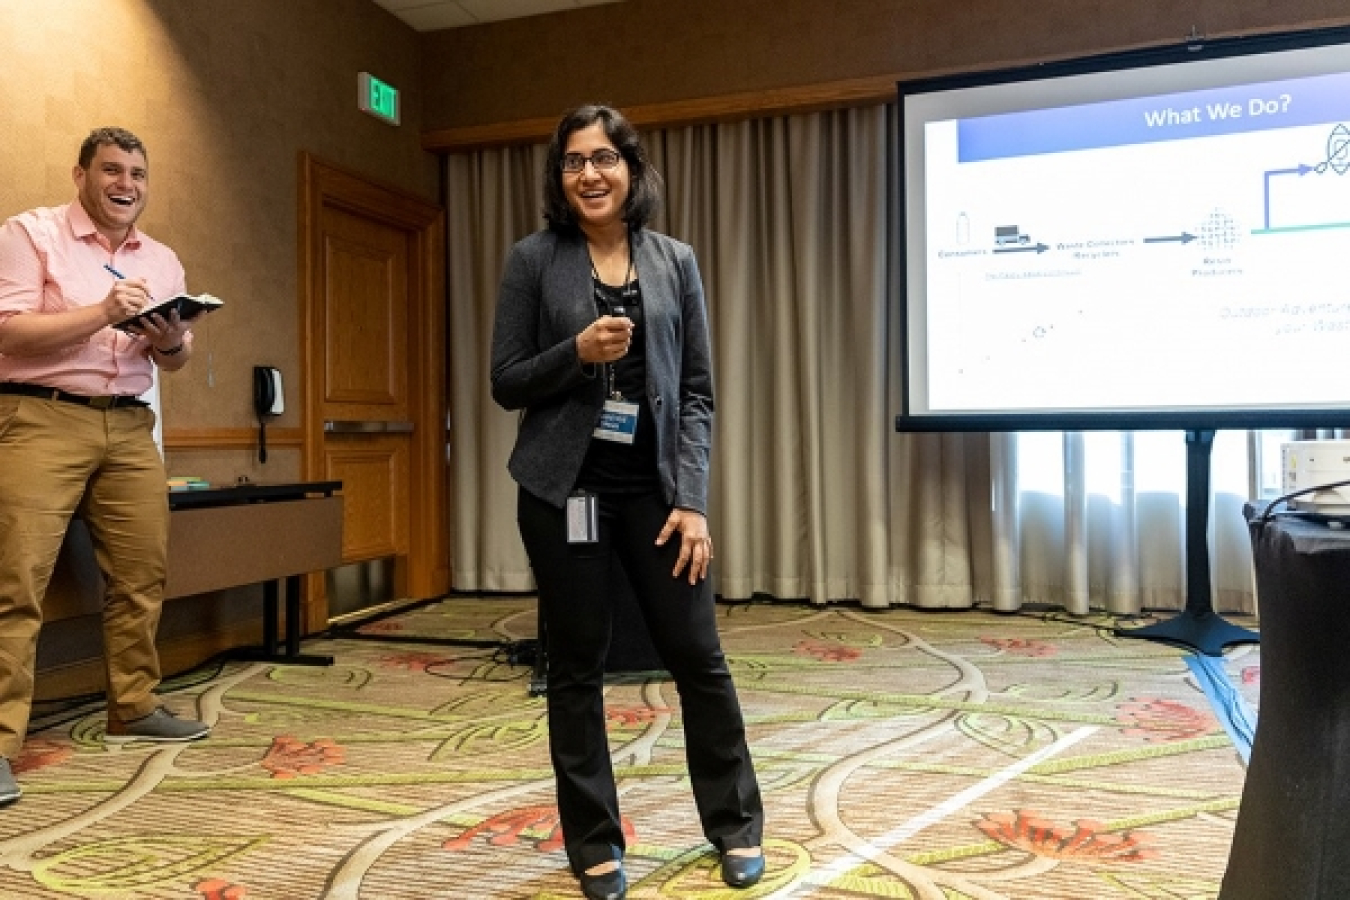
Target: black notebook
185, 305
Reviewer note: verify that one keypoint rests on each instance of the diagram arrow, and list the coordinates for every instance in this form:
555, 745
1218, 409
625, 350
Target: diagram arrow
1035, 248
1184, 238
1299, 170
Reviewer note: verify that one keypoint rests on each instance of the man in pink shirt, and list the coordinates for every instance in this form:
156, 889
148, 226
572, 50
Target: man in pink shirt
75, 438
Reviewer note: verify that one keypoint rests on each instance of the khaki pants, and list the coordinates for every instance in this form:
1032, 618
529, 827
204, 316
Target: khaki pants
57, 459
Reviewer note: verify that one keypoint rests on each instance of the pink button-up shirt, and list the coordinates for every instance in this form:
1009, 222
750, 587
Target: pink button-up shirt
52, 259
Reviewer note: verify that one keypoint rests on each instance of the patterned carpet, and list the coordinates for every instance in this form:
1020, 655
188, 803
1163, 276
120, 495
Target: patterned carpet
903, 754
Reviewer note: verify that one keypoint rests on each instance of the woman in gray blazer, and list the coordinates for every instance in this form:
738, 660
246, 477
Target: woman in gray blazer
601, 337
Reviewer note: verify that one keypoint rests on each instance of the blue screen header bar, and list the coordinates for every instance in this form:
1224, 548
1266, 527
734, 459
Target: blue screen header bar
1317, 100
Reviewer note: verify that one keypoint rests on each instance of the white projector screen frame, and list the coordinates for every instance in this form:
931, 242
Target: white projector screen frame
1157, 239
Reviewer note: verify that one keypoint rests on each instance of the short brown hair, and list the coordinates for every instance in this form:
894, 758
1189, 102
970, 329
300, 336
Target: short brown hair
101, 137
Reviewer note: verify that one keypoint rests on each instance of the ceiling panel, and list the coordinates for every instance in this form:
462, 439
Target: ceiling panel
432, 15
495, 10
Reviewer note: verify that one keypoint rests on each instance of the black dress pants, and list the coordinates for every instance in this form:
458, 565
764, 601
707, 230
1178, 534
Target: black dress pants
573, 581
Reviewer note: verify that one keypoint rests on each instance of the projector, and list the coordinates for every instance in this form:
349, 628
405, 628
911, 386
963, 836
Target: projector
1312, 464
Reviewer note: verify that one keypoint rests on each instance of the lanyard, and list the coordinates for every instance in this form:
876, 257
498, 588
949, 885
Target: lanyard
617, 310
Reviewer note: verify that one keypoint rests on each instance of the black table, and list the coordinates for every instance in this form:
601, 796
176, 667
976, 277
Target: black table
250, 492
257, 533
1292, 840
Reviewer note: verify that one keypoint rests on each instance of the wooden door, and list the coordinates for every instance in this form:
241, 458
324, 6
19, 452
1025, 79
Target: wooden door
368, 430
374, 339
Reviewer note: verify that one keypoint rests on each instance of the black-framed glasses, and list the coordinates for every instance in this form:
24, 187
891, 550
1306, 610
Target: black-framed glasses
603, 160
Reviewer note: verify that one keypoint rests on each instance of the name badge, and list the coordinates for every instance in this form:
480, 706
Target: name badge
583, 521
618, 422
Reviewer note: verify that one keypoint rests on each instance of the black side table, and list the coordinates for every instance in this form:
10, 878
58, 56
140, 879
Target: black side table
1292, 838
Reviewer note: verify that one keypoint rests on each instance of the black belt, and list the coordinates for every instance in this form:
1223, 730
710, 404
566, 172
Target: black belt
47, 393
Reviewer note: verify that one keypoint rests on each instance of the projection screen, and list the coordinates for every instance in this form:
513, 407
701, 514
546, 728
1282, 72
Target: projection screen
1146, 240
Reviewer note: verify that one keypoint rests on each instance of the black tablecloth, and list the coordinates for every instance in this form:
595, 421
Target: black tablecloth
1292, 840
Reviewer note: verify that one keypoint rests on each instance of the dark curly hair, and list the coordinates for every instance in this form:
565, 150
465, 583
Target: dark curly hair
644, 192
101, 137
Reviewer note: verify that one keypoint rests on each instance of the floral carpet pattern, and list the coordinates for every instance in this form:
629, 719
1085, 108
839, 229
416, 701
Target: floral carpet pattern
902, 754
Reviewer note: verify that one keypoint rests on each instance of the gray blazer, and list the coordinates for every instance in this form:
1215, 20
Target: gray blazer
546, 300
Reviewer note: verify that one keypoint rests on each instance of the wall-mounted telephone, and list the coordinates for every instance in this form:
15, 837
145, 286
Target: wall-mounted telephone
268, 400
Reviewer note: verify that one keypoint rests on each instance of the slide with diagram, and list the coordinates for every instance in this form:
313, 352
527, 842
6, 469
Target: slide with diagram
1143, 253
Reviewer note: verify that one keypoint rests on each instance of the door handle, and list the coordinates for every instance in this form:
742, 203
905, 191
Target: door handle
366, 426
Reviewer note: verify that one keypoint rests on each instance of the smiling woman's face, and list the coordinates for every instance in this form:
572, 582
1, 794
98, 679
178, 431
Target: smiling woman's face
596, 196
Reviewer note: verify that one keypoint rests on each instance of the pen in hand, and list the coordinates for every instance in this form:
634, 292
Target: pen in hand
148, 302
118, 275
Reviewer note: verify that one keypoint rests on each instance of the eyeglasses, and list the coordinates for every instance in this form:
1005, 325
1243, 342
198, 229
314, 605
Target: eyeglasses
603, 160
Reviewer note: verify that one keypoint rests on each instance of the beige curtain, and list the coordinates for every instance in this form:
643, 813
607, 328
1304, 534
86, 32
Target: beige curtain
815, 496
1097, 520
493, 199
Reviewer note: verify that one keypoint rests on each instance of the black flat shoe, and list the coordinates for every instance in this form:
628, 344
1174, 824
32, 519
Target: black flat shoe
606, 886
742, 871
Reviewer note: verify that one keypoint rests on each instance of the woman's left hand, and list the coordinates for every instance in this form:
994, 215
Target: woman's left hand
696, 547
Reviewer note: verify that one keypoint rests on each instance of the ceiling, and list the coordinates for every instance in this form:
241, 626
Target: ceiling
432, 15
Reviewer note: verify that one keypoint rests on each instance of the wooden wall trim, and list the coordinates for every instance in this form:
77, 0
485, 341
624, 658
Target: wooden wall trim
728, 108
179, 439
778, 101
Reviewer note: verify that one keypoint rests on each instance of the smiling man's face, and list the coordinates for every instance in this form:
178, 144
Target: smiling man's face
114, 190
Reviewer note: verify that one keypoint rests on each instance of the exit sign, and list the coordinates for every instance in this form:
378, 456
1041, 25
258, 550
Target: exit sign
376, 97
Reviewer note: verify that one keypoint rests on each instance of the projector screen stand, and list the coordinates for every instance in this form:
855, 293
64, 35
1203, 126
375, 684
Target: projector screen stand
1198, 627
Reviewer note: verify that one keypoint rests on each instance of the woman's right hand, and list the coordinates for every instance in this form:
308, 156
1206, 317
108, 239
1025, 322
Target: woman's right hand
605, 340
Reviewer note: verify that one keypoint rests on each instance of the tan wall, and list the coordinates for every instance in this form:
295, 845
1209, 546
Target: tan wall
657, 51
225, 93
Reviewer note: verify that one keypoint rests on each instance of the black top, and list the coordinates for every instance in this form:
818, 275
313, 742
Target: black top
611, 467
